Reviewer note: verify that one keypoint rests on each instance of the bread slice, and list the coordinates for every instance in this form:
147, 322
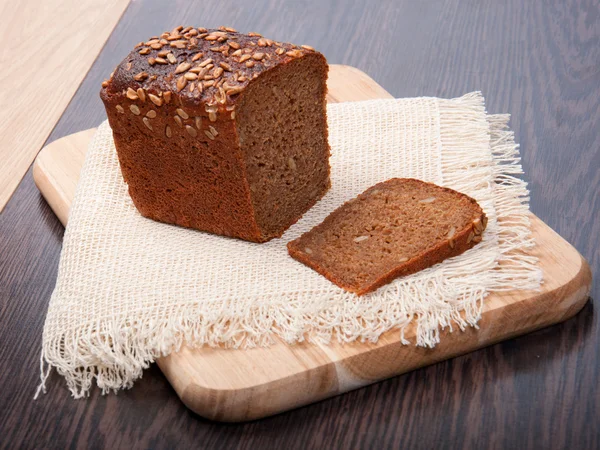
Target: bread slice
393, 229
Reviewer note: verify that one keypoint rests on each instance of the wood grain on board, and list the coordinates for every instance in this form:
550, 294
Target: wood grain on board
48, 48
237, 385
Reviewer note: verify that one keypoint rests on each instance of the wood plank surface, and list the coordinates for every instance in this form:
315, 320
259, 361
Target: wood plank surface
48, 48
538, 60
237, 385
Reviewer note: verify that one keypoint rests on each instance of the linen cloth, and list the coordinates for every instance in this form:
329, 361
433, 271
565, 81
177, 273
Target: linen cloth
130, 290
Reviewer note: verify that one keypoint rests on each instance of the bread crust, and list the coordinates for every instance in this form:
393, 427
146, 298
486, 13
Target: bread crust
177, 138
462, 241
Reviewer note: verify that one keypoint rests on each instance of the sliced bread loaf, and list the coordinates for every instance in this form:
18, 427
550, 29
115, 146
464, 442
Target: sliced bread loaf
221, 131
393, 229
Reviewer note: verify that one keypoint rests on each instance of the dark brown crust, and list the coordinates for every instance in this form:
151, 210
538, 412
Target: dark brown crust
163, 77
422, 261
217, 196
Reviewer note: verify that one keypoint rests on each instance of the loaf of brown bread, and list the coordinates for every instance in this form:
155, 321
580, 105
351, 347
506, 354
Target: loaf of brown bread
221, 131
393, 229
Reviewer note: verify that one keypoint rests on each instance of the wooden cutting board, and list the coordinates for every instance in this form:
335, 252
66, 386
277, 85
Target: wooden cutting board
236, 385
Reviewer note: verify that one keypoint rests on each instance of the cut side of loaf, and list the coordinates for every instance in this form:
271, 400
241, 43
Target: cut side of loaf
393, 229
221, 131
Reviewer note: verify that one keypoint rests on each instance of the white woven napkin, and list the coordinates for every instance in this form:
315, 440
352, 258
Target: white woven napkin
130, 290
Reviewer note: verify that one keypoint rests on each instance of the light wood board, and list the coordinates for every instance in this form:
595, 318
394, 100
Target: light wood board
236, 385
49, 47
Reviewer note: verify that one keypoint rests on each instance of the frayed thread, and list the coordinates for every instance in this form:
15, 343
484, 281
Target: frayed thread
114, 352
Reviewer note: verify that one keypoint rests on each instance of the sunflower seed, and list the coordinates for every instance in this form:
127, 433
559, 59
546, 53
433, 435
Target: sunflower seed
218, 72
210, 136
213, 130
360, 238
191, 76
171, 58
308, 250
151, 114
182, 113
140, 76
307, 47
182, 67
134, 109
167, 97
147, 123
222, 96
427, 200
160, 60
470, 238
234, 90
141, 94
178, 121
181, 83
120, 109
131, 94
156, 100
451, 233
191, 131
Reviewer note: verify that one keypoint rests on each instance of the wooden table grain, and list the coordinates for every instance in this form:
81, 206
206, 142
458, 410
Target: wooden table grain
539, 60
49, 47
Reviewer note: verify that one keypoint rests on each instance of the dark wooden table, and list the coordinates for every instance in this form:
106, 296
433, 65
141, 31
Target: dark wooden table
539, 60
